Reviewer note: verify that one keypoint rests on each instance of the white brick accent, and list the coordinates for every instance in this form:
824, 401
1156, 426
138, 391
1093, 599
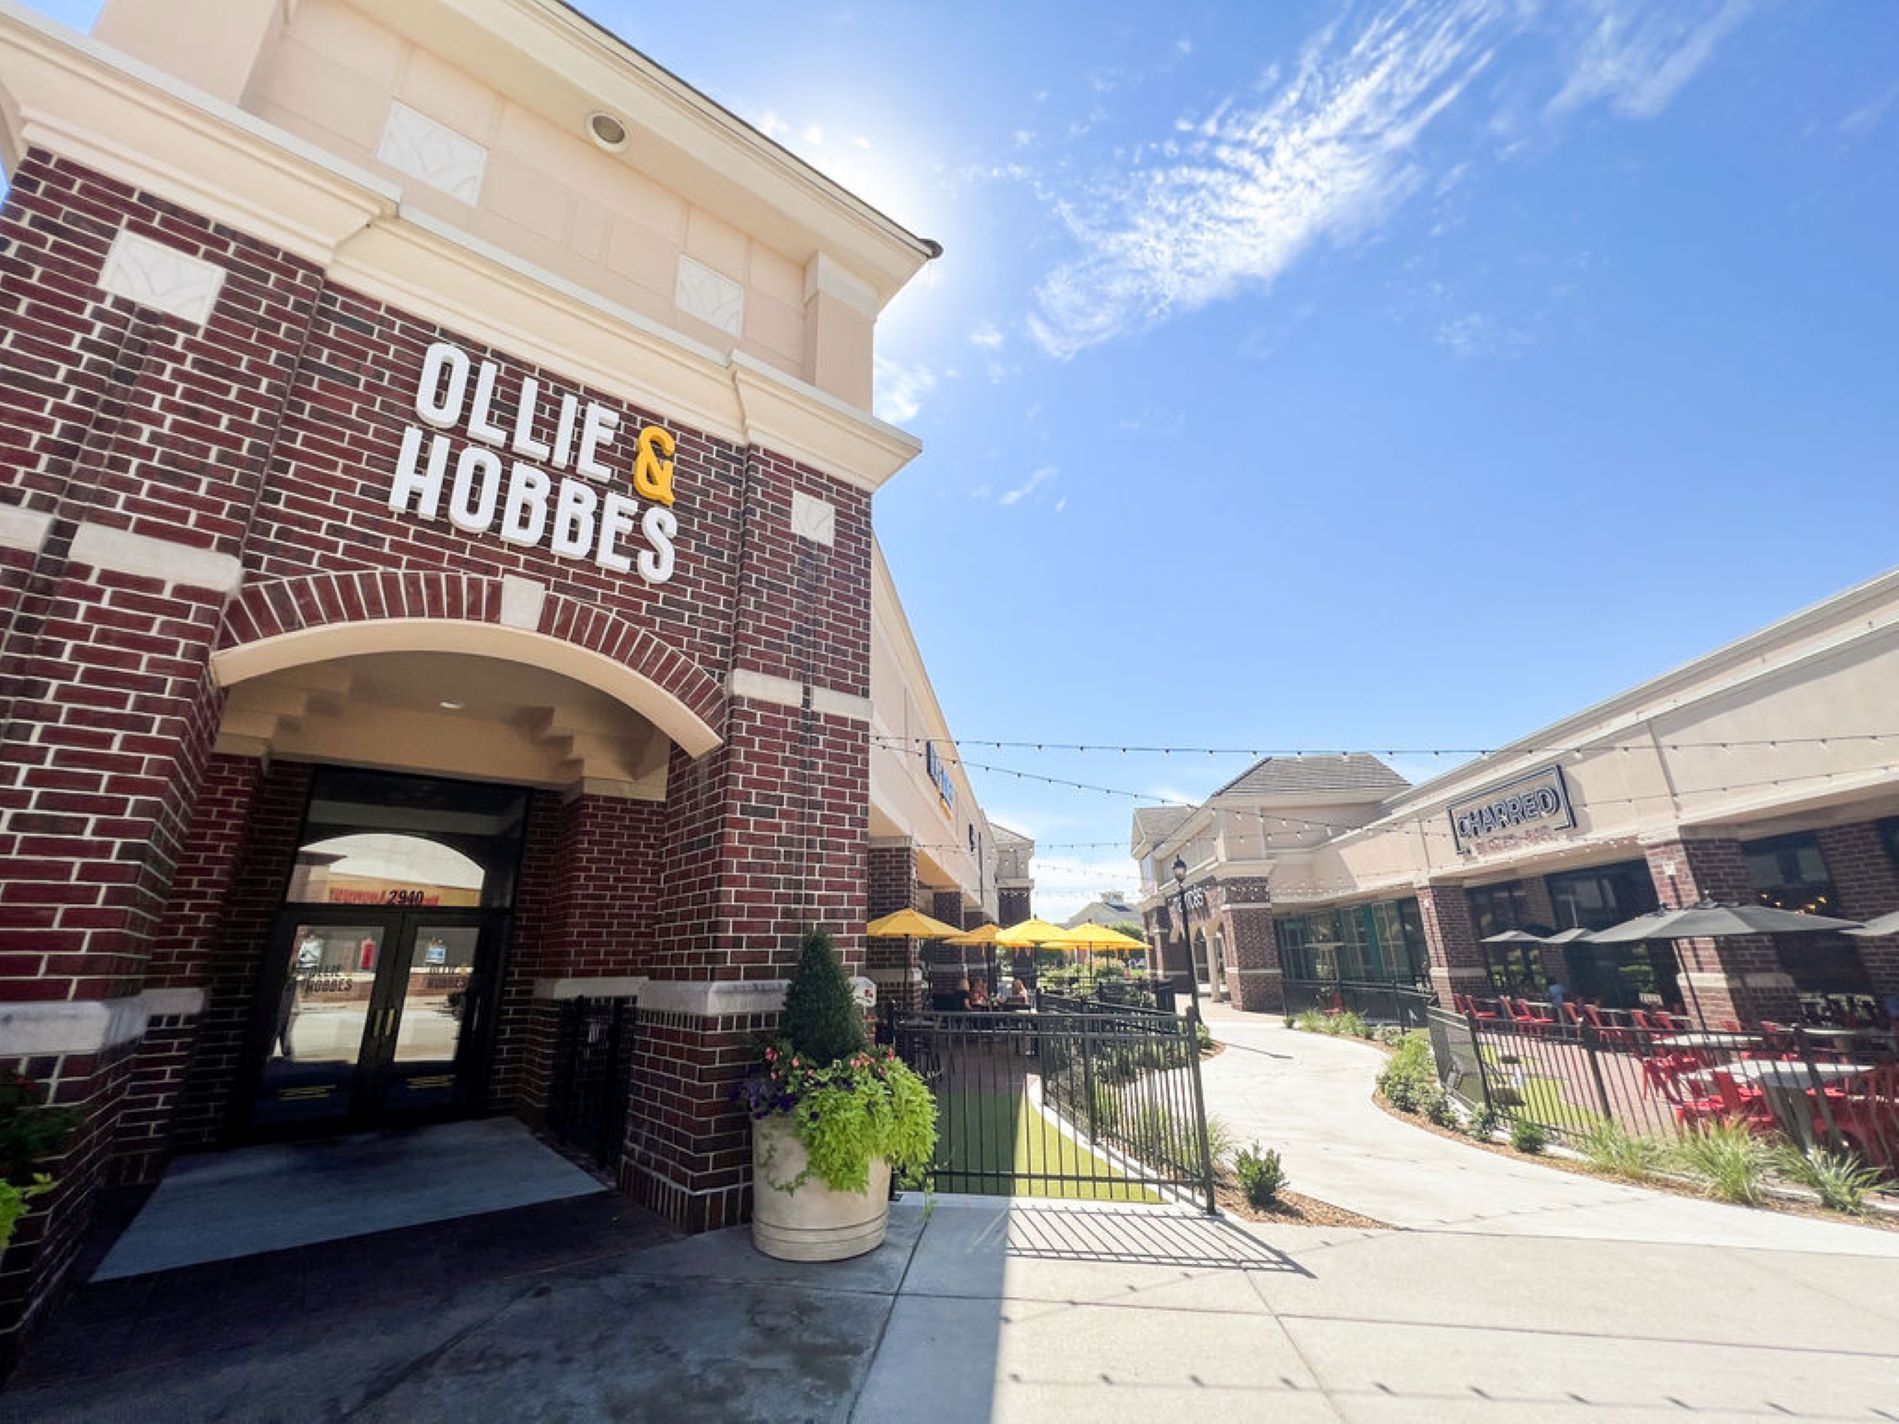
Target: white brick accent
123, 552
424, 148
521, 602
840, 704
813, 518
711, 296
161, 277
23, 528
763, 687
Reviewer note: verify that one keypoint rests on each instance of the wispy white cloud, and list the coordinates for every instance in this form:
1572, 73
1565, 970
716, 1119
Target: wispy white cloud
813, 134
1253, 188
1065, 883
898, 388
1637, 54
1029, 486
1023, 137
987, 335
1229, 202
1870, 115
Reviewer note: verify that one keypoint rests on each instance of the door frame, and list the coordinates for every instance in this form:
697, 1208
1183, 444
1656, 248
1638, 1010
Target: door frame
365, 1110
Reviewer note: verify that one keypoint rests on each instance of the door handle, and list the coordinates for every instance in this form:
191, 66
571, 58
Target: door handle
388, 1022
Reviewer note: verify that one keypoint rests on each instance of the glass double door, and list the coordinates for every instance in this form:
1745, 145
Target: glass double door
374, 1017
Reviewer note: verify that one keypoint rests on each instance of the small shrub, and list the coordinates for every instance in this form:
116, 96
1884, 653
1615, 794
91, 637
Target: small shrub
1842, 1181
1348, 1025
1485, 1122
1203, 1037
1729, 1158
1611, 1148
1290, 1020
1528, 1137
822, 1020
1389, 1034
1261, 1175
1440, 1108
1410, 1075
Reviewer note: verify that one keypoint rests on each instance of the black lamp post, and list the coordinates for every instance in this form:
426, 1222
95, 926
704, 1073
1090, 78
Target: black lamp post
1186, 937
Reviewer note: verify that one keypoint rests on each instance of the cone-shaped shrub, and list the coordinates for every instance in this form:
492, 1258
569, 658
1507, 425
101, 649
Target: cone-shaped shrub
822, 1019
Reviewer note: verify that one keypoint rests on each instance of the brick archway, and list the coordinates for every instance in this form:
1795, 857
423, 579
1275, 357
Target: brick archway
286, 622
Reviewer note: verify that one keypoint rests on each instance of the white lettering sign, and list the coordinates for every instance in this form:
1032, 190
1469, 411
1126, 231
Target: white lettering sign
480, 490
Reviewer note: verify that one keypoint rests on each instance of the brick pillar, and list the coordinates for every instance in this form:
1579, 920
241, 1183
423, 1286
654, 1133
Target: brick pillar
766, 836
1252, 955
601, 900
1012, 905
1730, 980
894, 965
1457, 960
1866, 880
178, 972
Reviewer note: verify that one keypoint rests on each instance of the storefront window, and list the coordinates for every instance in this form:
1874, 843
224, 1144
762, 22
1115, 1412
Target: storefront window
1373, 943
1617, 976
1514, 968
407, 842
1789, 873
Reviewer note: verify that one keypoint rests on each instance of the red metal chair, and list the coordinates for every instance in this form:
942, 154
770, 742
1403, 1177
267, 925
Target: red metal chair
1868, 1117
1612, 1034
1524, 1015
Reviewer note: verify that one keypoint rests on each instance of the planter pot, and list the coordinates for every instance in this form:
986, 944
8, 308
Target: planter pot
814, 1223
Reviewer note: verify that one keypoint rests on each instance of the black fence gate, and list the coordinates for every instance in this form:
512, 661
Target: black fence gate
1379, 1001
593, 1068
1080, 1100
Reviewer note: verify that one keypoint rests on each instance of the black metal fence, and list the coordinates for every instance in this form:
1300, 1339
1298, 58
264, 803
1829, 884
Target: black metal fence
593, 1069
1825, 1087
1378, 1001
1075, 1098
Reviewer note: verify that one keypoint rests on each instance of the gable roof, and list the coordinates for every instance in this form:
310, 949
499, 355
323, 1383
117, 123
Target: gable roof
1155, 823
1280, 776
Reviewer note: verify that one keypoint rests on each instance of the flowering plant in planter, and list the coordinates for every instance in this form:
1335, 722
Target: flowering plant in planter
28, 1132
848, 1104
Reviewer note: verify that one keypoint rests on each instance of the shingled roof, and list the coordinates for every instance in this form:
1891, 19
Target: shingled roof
1154, 824
1281, 776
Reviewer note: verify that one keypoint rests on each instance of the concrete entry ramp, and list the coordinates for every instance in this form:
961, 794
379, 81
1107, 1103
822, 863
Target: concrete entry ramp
225, 1205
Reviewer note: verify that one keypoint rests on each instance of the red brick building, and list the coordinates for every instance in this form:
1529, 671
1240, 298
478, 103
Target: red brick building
438, 583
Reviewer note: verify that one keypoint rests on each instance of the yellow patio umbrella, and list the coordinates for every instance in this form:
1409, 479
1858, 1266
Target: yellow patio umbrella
909, 924
1096, 937
981, 935
1029, 934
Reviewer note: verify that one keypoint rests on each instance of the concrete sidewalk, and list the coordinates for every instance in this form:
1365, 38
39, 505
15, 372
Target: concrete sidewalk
1310, 1096
989, 1311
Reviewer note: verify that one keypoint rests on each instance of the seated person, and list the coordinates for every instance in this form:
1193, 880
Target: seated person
962, 994
979, 994
1018, 992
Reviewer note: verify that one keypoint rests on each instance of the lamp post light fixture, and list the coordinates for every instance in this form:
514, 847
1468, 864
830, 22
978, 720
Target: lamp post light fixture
1186, 937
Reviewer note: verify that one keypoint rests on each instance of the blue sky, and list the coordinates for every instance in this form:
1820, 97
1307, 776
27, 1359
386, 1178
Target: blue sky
1374, 375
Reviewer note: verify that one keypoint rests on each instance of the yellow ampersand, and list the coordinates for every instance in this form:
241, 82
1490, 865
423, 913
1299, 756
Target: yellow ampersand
653, 465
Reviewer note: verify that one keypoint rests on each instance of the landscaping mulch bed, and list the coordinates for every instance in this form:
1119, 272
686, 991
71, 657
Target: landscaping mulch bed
1884, 1220
1292, 1209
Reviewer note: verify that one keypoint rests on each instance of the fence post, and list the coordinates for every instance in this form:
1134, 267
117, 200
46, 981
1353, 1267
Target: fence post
1586, 1036
1088, 1072
1477, 1052
1190, 1032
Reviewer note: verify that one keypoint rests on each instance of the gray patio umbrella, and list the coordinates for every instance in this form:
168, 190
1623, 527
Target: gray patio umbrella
1712, 919
1570, 936
1513, 937
1880, 925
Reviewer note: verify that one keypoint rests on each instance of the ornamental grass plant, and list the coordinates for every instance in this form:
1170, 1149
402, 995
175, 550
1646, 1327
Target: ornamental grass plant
848, 1102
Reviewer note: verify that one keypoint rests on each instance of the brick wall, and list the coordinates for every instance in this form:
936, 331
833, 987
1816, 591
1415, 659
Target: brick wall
1450, 939
1866, 881
893, 963
1737, 980
1012, 905
1254, 979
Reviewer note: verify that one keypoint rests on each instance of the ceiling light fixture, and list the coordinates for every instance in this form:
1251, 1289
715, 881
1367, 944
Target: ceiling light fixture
606, 131
451, 706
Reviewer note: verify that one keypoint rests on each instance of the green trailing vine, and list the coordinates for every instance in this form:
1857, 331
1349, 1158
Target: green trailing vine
848, 1103
28, 1132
